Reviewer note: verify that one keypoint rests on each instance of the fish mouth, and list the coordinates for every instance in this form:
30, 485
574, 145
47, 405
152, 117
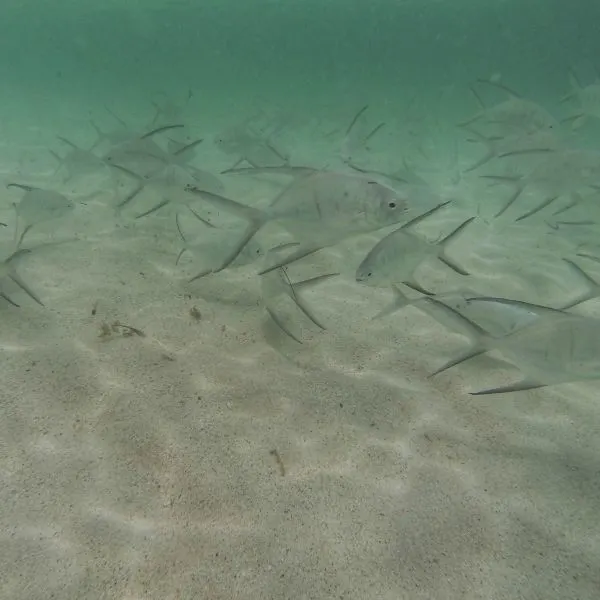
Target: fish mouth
365, 279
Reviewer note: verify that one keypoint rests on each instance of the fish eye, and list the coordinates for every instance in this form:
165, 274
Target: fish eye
392, 205
369, 274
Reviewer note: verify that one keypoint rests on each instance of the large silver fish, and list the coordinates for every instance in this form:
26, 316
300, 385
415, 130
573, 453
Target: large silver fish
319, 208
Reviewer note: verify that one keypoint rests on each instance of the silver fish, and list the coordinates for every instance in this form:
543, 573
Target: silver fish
514, 116
556, 347
277, 285
170, 184
253, 143
319, 208
496, 319
499, 318
587, 98
38, 206
77, 161
143, 155
8, 272
561, 173
536, 144
215, 243
396, 257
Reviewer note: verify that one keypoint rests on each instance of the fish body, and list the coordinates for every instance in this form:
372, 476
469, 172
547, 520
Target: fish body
396, 257
514, 116
587, 98
497, 319
561, 173
170, 184
38, 206
335, 204
540, 142
319, 208
253, 141
555, 347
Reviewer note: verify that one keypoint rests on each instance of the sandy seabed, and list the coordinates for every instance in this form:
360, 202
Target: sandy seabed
215, 458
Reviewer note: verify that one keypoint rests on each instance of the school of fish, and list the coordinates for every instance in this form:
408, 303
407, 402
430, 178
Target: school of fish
535, 166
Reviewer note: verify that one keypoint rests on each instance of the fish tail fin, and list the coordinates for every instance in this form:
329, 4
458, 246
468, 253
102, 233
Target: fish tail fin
443, 247
298, 287
499, 85
478, 337
248, 213
301, 252
116, 117
399, 301
515, 181
59, 159
255, 217
575, 87
137, 178
489, 155
100, 135
574, 201
537, 208
14, 276
282, 326
593, 287
185, 247
518, 191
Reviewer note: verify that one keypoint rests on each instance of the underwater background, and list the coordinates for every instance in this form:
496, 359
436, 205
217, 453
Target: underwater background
167, 429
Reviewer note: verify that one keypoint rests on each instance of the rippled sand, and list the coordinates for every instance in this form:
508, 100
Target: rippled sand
215, 458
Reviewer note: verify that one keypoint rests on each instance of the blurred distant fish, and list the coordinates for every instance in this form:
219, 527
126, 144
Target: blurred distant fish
169, 110
170, 183
557, 347
252, 143
38, 206
144, 155
77, 161
358, 135
587, 98
561, 173
319, 208
534, 144
515, 116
